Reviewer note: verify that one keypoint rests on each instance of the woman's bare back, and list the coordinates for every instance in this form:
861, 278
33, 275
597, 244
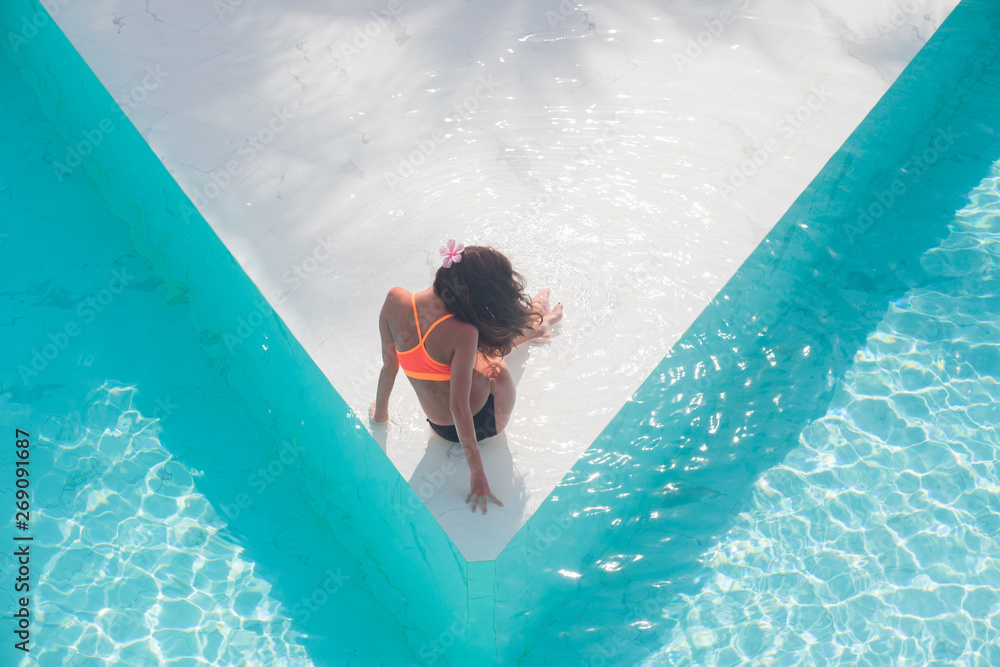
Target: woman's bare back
440, 345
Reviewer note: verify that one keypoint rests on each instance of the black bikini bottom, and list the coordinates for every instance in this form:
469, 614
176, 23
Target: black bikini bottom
485, 422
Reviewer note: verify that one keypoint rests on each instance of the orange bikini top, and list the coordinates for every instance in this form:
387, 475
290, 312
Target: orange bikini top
415, 362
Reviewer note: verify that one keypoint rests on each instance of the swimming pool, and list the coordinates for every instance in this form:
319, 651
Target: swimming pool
875, 540
166, 484
756, 498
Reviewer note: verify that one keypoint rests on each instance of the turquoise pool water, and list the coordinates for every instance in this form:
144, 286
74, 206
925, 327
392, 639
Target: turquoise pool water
808, 477
875, 540
191, 496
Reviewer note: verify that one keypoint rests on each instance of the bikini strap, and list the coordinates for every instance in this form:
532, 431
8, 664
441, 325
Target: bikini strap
420, 336
413, 299
431, 327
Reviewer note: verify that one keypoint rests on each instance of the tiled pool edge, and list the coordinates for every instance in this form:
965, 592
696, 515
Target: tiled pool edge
751, 305
385, 512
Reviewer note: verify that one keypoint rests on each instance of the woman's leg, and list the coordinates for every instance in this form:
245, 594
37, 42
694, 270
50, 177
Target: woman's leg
504, 389
504, 395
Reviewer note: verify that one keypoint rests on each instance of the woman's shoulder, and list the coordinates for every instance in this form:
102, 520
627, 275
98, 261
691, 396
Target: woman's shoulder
462, 332
397, 295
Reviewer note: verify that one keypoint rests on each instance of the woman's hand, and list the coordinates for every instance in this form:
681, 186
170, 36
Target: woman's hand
374, 416
480, 492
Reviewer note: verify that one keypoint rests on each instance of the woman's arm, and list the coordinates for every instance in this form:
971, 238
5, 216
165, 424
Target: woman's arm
379, 410
462, 365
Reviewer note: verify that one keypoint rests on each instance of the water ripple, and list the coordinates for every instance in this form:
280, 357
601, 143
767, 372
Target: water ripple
875, 541
137, 571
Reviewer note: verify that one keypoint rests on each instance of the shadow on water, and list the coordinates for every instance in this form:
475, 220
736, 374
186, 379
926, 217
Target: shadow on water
622, 539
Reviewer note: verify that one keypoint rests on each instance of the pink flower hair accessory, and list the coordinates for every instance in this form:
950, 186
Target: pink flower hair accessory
452, 253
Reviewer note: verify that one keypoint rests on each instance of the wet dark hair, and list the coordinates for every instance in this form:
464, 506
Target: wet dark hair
484, 289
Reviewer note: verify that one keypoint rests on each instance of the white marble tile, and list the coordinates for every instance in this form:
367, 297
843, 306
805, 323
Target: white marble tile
192, 17
458, 18
283, 78
306, 233
191, 143
205, 101
539, 473
211, 64
257, 256
592, 143
261, 26
108, 27
225, 204
310, 185
297, 135
117, 70
143, 117
166, 44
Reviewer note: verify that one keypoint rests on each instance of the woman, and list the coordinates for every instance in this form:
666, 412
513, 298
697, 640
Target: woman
477, 312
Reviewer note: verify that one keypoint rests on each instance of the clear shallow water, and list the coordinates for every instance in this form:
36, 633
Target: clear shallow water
131, 564
765, 490
875, 540
140, 570
190, 500
742, 463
